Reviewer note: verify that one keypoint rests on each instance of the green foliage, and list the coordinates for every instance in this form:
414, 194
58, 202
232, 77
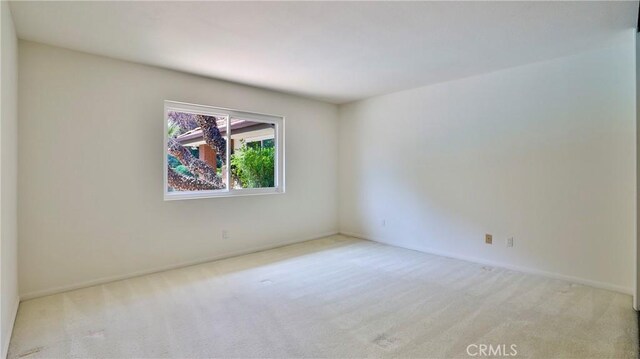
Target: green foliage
173, 129
254, 166
178, 167
173, 162
183, 170
254, 144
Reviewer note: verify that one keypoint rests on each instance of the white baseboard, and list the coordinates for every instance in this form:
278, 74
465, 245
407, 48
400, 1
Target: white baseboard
577, 280
7, 338
103, 280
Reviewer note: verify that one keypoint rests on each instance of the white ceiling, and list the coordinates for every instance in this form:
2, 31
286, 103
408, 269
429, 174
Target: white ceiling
333, 51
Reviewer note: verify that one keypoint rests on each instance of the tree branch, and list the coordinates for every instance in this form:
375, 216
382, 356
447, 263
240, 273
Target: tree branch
212, 135
183, 183
196, 166
185, 121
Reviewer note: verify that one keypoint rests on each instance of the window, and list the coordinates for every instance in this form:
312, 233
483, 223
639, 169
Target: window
213, 152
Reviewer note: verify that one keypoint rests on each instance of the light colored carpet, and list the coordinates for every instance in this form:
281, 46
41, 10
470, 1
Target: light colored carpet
332, 297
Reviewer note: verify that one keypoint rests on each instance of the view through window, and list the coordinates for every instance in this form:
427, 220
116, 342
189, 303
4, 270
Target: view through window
216, 152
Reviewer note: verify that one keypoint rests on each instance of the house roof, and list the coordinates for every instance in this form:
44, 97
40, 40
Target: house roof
238, 126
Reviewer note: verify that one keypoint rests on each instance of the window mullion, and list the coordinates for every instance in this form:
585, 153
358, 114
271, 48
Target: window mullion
228, 153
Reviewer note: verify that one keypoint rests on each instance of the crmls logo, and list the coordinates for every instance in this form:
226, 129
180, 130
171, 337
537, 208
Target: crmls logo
499, 350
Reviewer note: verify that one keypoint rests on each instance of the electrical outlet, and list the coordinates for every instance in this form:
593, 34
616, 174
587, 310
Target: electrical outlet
510, 242
488, 239
225, 234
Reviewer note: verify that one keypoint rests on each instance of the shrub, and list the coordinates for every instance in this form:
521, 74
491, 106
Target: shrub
253, 167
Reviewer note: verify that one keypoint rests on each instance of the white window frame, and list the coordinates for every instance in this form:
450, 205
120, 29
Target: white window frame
278, 121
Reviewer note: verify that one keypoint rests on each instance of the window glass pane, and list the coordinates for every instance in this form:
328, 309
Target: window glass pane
252, 163
196, 147
268, 143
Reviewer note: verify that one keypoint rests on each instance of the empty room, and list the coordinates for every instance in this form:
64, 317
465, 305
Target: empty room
308, 179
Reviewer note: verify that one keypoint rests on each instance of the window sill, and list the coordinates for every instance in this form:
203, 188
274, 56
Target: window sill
215, 194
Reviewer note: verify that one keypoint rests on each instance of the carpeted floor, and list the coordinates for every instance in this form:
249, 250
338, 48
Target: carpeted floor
332, 297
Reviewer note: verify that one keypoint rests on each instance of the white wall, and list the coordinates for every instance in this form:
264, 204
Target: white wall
90, 172
8, 177
543, 152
